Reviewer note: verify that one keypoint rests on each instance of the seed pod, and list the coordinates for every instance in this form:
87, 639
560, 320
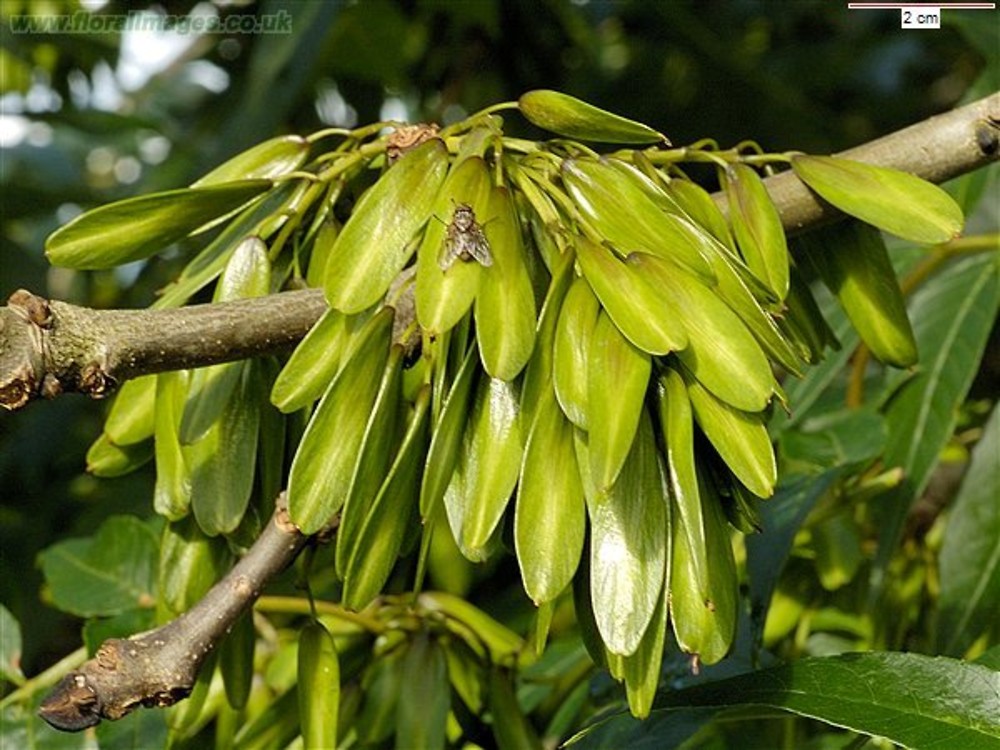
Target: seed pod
318, 686
267, 160
424, 696
854, 263
640, 311
375, 243
572, 118
550, 516
172, 493
324, 462
108, 459
131, 418
894, 201
757, 227
628, 546
137, 228
618, 374
571, 350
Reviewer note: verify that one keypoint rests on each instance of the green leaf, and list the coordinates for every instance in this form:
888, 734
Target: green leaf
721, 353
952, 316
572, 118
757, 227
970, 553
894, 201
137, 228
571, 350
919, 702
640, 311
623, 209
505, 306
10, 647
487, 468
854, 263
377, 241
628, 531
106, 574
265, 161
445, 295
324, 463
913, 700
550, 515
424, 696
618, 374
318, 687
392, 513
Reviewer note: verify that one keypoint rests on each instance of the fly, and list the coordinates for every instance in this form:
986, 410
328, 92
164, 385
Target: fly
464, 239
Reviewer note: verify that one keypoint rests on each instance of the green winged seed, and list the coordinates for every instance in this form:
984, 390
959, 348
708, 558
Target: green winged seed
618, 374
740, 438
571, 350
854, 263
619, 205
265, 161
236, 661
638, 308
704, 621
377, 241
628, 547
381, 439
315, 361
721, 352
894, 201
172, 492
567, 116
757, 226
677, 428
538, 376
550, 516
447, 440
190, 563
323, 466
444, 295
108, 459
131, 418
222, 462
642, 669
247, 274
318, 686
137, 228
392, 512
505, 306
424, 695
488, 466
697, 203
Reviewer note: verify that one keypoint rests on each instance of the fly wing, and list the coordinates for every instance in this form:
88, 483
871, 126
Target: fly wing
479, 247
450, 251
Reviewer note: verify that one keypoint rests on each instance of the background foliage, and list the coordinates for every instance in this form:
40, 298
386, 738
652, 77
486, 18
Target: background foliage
85, 123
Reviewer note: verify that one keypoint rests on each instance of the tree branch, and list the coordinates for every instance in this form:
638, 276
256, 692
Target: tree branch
159, 667
49, 348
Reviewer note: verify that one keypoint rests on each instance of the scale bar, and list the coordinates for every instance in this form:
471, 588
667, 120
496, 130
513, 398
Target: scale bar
929, 6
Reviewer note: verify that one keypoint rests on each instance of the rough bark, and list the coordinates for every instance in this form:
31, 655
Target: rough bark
159, 667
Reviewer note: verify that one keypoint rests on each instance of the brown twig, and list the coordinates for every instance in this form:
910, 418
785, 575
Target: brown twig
159, 668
